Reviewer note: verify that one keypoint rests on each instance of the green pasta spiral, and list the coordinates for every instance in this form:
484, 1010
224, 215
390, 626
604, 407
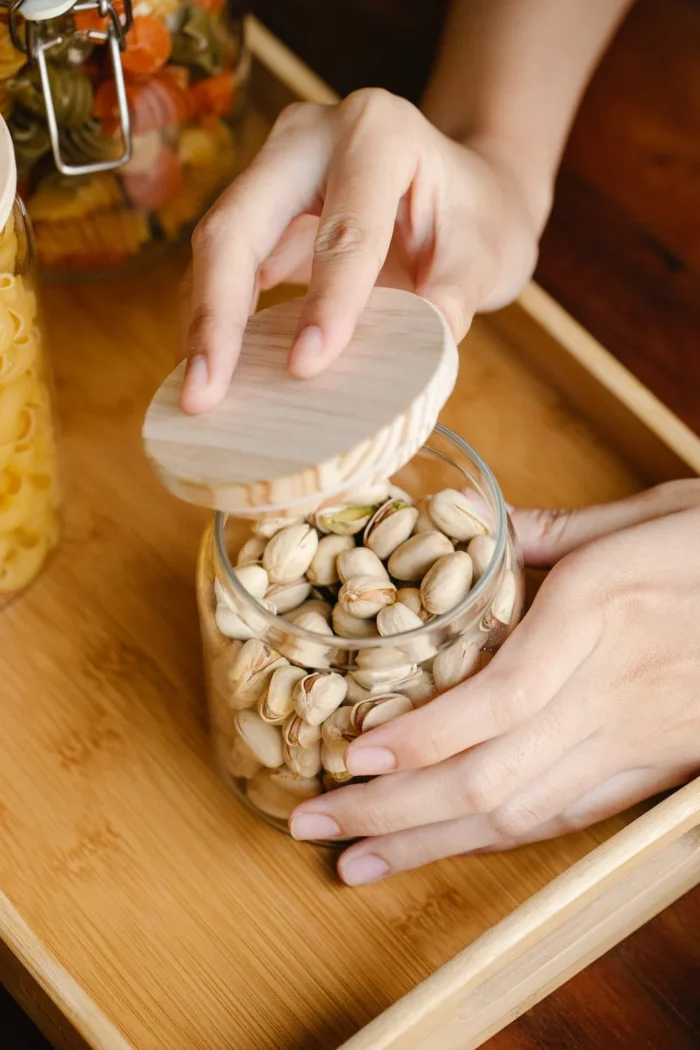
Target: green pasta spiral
31, 140
199, 43
71, 91
88, 143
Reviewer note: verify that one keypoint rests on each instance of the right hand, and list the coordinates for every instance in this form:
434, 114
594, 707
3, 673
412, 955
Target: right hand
344, 197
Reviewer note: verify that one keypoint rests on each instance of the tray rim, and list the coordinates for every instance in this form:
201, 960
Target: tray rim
49, 993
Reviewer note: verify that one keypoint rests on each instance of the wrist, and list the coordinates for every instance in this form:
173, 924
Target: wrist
528, 177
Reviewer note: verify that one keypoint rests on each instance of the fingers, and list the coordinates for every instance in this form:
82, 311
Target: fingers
290, 262
366, 181
546, 536
544, 651
478, 781
241, 230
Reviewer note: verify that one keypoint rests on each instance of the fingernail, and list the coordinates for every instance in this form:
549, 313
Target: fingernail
197, 372
307, 349
313, 826
361, 761
358, 871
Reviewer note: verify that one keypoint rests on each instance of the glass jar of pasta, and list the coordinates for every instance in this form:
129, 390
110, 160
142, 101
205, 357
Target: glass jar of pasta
123, 119
29, 522
319, 629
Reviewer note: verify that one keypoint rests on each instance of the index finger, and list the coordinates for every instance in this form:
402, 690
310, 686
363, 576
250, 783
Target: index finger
236, 236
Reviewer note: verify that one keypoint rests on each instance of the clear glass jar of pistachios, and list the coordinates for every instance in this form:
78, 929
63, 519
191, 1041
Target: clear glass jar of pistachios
319, 629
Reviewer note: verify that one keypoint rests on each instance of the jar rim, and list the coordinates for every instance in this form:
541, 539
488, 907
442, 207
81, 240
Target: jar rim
8, 174
273, 620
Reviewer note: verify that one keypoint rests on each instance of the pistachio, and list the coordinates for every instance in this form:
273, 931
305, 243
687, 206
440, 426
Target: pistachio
263, 740
277, 703
413, 558
355, 692
359, 562
252, 670
288, 596
290, 552
455, 664
269, 527
322, 572
333, 762
481, 550
345, 625
419, 688
220, 674
343, 520
456, 515
308, 653
424, 523
379, 666
398, 619
240, 760
378, 710
231, 625
251, 552
389, 527
364, 596
304, 761
398, 493
337, 730
314, 605
317, 695
277, 792
410, 596
504, 602
253, 578
297, 732
447, 583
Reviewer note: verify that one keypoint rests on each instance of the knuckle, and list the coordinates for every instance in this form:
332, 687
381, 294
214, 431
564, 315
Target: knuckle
511, 704
296, 115
476, 794
515, 818
341, 235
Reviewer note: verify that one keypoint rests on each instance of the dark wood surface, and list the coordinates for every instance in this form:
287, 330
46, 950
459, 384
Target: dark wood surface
622, 253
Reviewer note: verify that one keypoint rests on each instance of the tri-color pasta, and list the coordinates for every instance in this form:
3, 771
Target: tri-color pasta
29, 523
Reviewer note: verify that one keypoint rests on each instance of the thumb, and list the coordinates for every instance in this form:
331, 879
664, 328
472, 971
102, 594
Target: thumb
546, 536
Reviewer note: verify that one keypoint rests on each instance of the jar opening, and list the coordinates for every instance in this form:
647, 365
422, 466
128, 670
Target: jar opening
485, 484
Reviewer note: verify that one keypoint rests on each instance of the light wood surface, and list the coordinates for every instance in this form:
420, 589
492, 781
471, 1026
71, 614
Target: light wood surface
275, 444
183, 921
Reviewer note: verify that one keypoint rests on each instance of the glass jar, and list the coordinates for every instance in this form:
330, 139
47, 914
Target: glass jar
289, 683
29, 522
123, 120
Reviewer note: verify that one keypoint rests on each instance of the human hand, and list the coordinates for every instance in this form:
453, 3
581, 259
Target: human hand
591, 705
343, 197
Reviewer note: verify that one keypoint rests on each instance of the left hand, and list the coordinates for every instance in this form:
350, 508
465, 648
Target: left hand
592, 704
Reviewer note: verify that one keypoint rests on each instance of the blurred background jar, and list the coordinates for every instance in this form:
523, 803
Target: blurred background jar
292, 676
123, 119
29, 519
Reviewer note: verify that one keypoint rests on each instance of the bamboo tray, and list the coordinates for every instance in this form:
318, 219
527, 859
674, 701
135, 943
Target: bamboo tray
141, 906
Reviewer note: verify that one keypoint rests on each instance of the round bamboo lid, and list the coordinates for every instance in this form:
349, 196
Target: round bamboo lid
280, 445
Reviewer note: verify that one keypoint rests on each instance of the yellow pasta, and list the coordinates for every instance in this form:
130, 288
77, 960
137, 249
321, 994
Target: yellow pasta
29, 522
65, 197
8, 247
111, 234
200, 186
11, 60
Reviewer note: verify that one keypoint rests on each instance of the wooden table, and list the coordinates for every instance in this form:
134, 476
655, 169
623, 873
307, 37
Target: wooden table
184, 922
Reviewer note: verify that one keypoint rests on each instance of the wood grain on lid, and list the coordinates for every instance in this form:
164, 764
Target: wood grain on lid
277, 443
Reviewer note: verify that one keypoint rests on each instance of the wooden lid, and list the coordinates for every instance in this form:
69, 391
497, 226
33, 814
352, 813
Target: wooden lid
279, 445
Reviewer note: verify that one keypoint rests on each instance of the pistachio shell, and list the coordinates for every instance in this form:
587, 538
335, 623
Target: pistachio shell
456, 515
424, 523
297, 732
338, 730
410, 596
269, 527
254, 579
290, 552
277, 703
419, 688
398, 619
323, 572
263, 740
355, 692
287, 597
447, 582
378, 710
454, 665
364, 596
413, 558
389, 527
251, 552
277, 792
379, 666
333, 762
304, 761
359, 562
317, 695
504, 602
481, 550
343, 520
314, 605
345, 625
240, 760
252, 670
309, 653
395, 492
242, 624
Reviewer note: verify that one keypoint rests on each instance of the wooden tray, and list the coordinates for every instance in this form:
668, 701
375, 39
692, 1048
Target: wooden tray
142, 907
